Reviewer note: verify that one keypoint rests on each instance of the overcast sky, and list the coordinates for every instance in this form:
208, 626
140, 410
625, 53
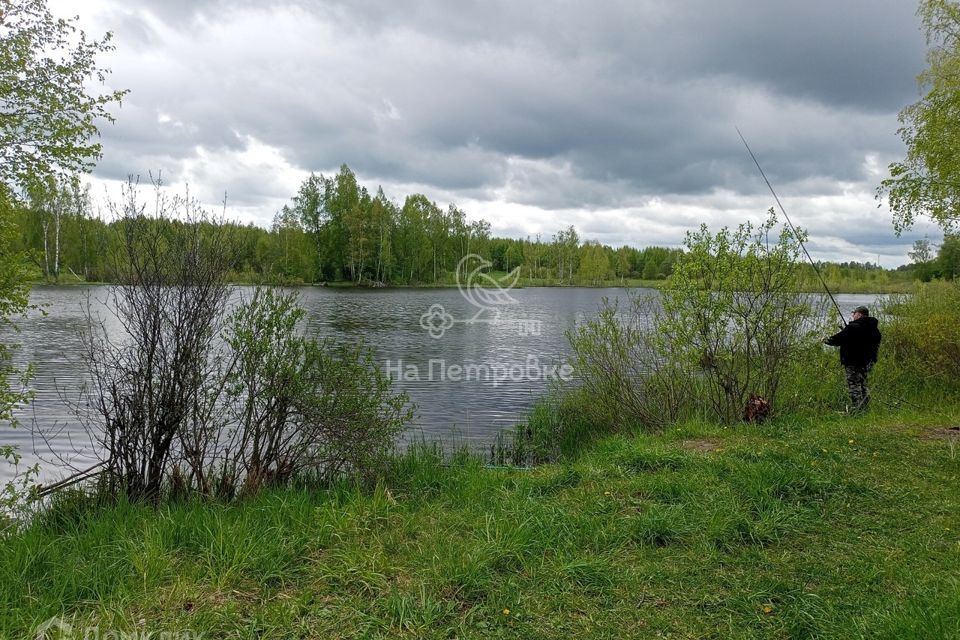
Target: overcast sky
615, 116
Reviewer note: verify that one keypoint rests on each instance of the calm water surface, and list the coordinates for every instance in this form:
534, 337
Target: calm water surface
489, 396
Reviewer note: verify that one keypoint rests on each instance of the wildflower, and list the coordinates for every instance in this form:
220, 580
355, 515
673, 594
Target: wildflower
850, 441
768, 609
506, 611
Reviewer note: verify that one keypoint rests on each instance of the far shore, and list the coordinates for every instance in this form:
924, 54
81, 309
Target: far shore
866, 288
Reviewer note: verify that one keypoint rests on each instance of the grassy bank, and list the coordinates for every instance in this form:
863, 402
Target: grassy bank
832, 528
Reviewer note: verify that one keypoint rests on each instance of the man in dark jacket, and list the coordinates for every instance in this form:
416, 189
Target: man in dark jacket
859, 342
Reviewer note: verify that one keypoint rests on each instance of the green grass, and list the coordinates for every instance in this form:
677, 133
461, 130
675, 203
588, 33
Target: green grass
802, 528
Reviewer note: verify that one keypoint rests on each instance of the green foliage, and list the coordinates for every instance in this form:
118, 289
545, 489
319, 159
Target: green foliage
48, 117
272, 407
48, 121
261, 386
594, 264
927, 181
923, 256
948, 258
351, 403
559, 427
370, 240
325, 236
627, 378
14, 301
729, 324
922, 334
858, 277
17, 497
922, 251
14, 288
731, 309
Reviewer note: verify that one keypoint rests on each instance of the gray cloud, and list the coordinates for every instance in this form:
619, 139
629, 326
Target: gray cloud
572, 106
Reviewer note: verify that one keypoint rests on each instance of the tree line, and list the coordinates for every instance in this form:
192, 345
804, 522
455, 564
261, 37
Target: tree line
332, 230
932, 262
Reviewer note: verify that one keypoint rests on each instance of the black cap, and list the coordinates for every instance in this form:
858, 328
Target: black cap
862, 309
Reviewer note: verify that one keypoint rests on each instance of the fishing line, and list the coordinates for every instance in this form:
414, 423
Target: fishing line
816, 269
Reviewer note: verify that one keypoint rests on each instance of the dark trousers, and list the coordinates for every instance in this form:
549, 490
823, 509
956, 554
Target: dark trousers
857, 386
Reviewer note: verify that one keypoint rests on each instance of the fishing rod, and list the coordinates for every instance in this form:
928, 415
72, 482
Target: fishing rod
796, 235
897, 400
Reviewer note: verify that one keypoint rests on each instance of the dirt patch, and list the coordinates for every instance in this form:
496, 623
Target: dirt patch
705, 446
943, 433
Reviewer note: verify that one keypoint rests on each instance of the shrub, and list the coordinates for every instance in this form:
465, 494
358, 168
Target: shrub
558, 427
921, 336
148, 379
190, 398
245, 438
625, 369
732, 311
729, 324
291, 406
348, 410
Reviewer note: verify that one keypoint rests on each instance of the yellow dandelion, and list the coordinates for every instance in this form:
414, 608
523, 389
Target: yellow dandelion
768, 609
850, 441
506, 612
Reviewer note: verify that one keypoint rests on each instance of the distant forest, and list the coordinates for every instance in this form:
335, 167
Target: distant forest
335, 231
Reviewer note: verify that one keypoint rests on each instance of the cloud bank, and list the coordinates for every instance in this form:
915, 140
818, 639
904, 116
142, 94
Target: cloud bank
617, 117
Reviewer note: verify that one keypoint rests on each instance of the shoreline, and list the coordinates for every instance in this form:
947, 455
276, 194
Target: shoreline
639, 284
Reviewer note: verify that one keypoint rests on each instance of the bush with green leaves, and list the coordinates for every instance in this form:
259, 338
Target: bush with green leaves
14, 301
556, 429
729, 324
287, 405
732, 311
626, 366
185, 395
921, 338
348, 410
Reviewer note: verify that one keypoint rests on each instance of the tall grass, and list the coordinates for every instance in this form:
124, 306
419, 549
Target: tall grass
792, 529
923, 334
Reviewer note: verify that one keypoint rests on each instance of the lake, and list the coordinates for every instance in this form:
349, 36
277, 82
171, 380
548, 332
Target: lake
470, 375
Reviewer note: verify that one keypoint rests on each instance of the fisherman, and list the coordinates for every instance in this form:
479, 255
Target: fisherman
859, 342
